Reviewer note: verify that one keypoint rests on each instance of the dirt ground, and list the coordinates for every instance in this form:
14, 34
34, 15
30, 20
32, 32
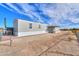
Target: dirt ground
63, 43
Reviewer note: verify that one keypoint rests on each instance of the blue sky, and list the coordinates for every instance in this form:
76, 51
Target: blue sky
63, 15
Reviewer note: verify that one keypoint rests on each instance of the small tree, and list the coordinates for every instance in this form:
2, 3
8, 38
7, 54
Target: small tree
5, 25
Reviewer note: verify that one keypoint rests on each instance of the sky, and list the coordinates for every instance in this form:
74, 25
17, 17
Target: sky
65, 15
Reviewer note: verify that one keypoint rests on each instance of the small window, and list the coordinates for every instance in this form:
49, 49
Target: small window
30, 26
39, 26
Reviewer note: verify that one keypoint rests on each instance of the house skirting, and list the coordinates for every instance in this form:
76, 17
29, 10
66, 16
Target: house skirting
19, 34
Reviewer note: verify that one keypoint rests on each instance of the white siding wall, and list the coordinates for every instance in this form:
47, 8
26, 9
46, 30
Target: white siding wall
22, 28
57, 30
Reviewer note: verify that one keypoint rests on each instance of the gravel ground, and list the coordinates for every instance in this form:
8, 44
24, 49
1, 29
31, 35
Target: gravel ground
55, 44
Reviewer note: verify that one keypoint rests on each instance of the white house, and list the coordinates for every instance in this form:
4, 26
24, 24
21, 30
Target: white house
24, 28
53, 29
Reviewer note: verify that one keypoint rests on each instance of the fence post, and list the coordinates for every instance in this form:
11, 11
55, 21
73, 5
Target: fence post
10, 40
0, 36
77, 35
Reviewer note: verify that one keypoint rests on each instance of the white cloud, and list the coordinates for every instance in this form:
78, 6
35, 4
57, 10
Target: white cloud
56, 12
74, 20
31, 11
6, 7
65, 11
14, 8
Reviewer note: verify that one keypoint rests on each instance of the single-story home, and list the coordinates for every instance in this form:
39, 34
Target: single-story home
24, 28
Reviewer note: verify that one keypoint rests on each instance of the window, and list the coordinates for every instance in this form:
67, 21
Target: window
30, 26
